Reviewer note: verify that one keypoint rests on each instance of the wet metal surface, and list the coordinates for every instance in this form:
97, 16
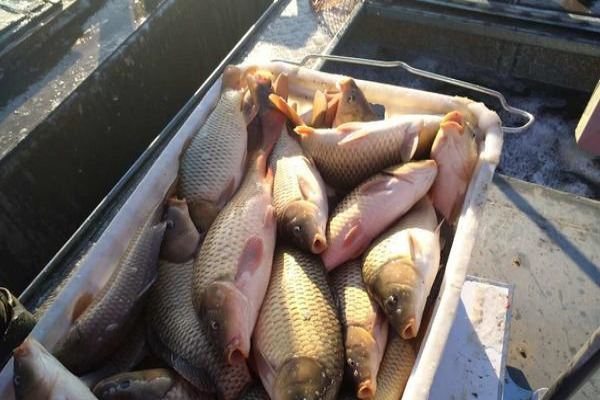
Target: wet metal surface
31, 94
71, 126
546, 243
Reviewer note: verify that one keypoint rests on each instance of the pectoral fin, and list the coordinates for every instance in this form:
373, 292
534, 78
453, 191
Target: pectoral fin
307, 189
353, 234
286, 109
250, 258
376, 185
353, 138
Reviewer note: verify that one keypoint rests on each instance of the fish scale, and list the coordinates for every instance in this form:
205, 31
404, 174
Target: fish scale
294, 209
399, 268
212, 166
359, 217
299, 318
38, 375
256, 392
365, 329
389, 142
110, 316
172, 318
396, 366
238, 221
390, 245
286, 156
349, 289
151, 384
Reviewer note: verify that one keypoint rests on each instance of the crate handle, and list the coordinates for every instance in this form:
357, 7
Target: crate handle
431, 75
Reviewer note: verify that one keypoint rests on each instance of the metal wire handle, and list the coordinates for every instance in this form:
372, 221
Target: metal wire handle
431, 75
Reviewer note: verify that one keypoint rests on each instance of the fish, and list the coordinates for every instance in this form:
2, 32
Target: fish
176, 335
130, 352
400, 266
110, 316
297, 344
150, 384
181, 236
38, 375
364, 325
456, 154
233, 265
212, 166
396, 367
374, 205
299, 196
352, 152
353, 105
256, 392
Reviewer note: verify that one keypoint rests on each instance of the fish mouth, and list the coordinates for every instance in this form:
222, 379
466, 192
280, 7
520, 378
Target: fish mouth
409, 330
22, 350
366, 389
319, 244
235, 353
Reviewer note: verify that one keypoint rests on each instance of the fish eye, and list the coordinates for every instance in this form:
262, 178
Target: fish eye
391, 301
297, 229
17, 380
351, 98
214, 325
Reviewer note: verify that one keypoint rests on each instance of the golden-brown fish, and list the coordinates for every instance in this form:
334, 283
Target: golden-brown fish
38, 375
370, 208
213, 165
151, 384
232, 268
297, 343
396, 366
455, 152
353, 105
181, 236
401, 265
352, 152
364, 326
130, 352
299, 196
179, 338
111, 315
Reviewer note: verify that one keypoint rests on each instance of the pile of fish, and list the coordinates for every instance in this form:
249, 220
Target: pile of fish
289, 245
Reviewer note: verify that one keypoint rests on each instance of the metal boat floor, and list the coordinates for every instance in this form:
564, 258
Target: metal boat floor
547, 244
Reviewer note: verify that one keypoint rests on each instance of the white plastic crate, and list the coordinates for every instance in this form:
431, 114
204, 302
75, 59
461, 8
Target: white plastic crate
95, 269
